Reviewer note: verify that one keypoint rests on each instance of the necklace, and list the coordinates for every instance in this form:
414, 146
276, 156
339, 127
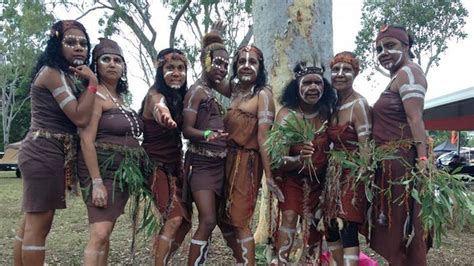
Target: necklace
136, 132
346, 103
308, 116
243, 95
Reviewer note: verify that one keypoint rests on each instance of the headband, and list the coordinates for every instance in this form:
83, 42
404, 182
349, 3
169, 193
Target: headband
349, 58
390, 31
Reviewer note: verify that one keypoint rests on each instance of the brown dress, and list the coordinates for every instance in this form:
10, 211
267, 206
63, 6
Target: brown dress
114, 130
205, 161
293, 183
243, 167
390, 125
43, 153
344, 138
302, 192
164, 147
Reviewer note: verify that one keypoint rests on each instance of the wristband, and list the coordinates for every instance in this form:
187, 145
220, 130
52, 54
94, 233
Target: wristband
92, 88
423, 158
206, 133
97, 181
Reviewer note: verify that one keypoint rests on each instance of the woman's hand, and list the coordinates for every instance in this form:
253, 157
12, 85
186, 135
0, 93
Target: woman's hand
307, 151
84, 72
273, 188
217, 134
167, 120
99, 193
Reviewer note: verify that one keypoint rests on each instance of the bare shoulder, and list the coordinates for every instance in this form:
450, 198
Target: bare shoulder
48, 77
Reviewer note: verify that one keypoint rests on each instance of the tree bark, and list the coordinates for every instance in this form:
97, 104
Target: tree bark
288, 32
291, 31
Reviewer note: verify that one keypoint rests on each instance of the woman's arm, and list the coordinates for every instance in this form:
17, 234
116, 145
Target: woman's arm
266, 114
159, 109
88, 135
78, 111
412, 88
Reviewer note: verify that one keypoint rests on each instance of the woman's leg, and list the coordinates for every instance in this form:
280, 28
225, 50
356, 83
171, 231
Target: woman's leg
247, 245
335, 243
206, 204
174, 230
18, 243
228, 233
96, 251
350, 242
286, 235
37, 226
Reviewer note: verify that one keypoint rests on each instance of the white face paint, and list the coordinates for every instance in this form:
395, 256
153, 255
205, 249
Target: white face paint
167, 73
311, 89
247, 77
392, 52
78, 62
111, 59
72, 41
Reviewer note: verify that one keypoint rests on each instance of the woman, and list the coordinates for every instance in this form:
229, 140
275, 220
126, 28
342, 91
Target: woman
162, 115
308, 96
108, 143
247, 122
46, 158
350, 124
205, 157
398, 120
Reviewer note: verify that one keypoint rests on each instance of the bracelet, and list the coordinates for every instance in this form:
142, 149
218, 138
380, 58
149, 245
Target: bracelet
206, 133
423, 158
97, 181
92, 88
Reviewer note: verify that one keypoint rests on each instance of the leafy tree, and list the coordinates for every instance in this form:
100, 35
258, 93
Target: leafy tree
138, 17
433, 23
23, 26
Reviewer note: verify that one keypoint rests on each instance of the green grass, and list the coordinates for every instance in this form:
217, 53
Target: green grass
69, 235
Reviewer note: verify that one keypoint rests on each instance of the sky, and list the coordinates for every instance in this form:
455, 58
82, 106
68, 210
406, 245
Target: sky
454, 73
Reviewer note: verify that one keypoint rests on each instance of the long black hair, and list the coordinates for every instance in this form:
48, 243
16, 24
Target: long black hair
261, 81
52, 56
290, 96
174, 98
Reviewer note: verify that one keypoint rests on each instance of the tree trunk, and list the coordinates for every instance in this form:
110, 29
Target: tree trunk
288, 32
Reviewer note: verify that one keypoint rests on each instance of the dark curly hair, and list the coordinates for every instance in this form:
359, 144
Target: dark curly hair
290, 96
122, 85
52, 55
173, 97
261, 81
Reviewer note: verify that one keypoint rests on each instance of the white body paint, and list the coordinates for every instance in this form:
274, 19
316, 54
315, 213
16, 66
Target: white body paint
392, 52
303, 91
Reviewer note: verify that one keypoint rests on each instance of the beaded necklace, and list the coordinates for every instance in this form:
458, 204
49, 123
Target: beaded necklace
136, 132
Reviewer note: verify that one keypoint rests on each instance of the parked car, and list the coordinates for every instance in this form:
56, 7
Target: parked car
9, 161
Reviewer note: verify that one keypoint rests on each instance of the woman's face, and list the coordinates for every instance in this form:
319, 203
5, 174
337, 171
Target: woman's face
174, 73
247, 66
74, 47
310, 88
219, 66
390, 52
110, 66
342, 76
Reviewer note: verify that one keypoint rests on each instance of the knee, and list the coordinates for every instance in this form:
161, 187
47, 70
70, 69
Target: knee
208, 223
289, 218
174, 224
100, 236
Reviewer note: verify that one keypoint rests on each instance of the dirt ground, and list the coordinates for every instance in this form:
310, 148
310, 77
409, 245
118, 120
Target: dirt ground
69, 236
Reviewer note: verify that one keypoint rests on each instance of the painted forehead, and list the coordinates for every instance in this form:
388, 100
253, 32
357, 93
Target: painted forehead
342, 64
175, 63
386, 40
74, 32
252, 54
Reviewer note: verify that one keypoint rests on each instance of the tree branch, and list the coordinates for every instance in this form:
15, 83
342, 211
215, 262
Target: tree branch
176, 20
196, 24
92, 9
